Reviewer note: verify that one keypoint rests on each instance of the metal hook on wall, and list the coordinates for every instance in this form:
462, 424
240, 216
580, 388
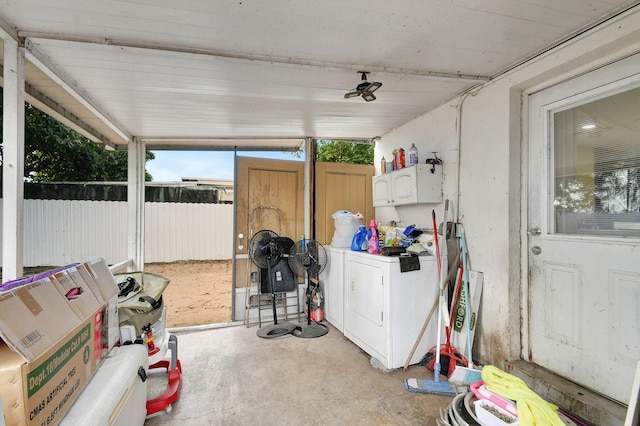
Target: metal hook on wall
433, 161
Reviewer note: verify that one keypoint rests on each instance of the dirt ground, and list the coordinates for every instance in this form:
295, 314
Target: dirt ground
199, 292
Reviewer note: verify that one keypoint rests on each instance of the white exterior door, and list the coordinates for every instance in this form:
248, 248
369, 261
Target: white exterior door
584, 228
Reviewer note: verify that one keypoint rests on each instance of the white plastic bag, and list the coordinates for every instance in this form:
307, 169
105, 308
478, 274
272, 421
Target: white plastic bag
346, 224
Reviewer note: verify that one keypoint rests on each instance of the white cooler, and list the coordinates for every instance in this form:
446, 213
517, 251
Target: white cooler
117, 393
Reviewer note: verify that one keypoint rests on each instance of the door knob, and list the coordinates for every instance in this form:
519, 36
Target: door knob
534, 232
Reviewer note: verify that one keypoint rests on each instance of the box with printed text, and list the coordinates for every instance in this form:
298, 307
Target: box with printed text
55, 333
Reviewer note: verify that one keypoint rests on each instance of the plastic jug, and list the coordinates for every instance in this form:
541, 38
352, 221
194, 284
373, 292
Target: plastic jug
359, 242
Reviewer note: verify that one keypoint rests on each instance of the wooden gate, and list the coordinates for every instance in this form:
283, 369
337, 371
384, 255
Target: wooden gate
341, 187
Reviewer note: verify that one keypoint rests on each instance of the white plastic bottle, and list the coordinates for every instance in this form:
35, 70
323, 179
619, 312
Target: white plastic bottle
413, 154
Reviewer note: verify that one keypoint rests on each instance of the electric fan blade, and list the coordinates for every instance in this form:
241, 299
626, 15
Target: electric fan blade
307, 256
296, 263
263, 249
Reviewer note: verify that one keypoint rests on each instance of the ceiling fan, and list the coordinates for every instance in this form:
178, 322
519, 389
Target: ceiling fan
364, 89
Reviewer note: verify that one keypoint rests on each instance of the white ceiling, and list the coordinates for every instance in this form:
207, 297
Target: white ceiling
199, 74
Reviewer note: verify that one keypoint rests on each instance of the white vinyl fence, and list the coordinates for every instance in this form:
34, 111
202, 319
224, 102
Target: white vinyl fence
59, 232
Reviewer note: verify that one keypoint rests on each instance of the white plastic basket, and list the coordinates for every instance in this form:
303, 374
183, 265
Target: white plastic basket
487, 418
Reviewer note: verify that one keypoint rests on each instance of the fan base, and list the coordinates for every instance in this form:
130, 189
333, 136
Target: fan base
275, 330
310, 331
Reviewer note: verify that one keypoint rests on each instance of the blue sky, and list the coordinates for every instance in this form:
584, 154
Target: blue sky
172, 166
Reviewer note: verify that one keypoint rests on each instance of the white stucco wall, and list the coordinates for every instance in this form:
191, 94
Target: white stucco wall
492, 201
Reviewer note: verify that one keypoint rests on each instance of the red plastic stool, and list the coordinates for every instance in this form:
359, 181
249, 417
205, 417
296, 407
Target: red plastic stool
172, 393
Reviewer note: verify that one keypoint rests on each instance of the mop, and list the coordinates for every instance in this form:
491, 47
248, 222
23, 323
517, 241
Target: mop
436, 386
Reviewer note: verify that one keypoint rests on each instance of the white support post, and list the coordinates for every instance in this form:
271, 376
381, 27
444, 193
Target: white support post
13, 161
135, 203
308, 160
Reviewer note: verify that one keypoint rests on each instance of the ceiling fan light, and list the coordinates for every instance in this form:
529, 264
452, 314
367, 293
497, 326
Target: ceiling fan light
368, 96
364, 89
352, 94
373, 86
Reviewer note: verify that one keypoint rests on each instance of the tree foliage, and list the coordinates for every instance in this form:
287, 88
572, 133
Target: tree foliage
336, 151
57, 153
611, 191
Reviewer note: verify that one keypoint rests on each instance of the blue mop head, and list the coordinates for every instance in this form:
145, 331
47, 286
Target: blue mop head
434, 386
429, 386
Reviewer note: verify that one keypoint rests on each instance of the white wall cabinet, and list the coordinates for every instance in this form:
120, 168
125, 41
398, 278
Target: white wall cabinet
410, 185
384, 309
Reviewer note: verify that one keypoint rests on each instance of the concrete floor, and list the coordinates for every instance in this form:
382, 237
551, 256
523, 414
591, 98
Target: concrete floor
233, 377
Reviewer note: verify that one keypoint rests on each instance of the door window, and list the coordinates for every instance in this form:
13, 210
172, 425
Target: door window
595, 167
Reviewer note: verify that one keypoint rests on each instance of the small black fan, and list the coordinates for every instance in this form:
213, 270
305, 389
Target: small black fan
265, 253
263, 249
309, 258
364, 89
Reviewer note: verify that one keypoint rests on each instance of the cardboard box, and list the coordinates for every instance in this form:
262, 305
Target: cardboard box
98, 270
56, 333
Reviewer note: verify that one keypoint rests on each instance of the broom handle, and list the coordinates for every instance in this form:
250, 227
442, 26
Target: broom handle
443, 254
433, 309
437, 243
465, 262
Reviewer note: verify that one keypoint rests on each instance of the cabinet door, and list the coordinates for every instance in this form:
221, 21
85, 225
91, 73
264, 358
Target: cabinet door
364, 322
403, 186
382, 195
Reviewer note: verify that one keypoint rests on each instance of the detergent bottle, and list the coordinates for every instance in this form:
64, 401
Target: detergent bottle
373, 245
359, 242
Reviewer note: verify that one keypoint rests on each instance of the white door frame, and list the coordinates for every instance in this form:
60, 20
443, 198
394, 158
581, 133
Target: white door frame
525, 348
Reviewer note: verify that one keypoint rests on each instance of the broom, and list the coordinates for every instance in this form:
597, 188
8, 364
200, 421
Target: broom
436, 386
450, 357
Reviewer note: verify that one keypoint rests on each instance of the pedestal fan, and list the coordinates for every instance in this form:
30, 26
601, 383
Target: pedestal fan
308, 257
265, 253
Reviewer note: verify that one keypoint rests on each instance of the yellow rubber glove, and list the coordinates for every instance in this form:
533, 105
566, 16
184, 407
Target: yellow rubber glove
532, 409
